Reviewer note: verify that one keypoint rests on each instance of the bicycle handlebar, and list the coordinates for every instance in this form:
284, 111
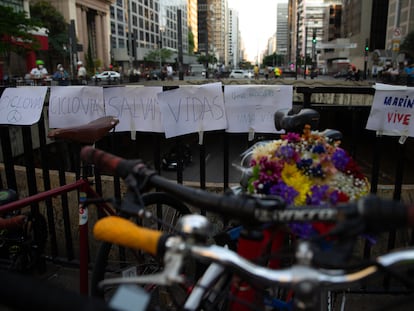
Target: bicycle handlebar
133, 238
121, 231
377, 215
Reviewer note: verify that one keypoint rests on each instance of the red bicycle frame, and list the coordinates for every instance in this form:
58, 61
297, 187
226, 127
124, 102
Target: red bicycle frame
85, 190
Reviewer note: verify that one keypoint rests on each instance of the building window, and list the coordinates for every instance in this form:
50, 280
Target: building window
119, 3
120, 30
112, 12
121, 43
134, 7
134, 21
120, 15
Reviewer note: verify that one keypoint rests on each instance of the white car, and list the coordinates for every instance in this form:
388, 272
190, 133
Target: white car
107, 75
239, 74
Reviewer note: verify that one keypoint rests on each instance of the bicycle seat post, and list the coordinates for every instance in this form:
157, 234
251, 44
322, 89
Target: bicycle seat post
86, 134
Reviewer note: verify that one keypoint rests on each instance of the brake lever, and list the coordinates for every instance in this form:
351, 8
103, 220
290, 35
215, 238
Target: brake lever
173, 262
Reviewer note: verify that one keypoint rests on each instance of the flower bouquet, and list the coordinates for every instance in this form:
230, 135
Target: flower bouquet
307, 169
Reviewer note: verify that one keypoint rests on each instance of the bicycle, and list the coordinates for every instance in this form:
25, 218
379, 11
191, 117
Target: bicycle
164, 206
367, 215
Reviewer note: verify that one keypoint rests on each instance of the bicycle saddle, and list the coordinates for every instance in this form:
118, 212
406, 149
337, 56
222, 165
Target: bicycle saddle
288, 120
88, 133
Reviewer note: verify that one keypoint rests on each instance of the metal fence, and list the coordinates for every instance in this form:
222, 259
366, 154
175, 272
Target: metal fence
34, 168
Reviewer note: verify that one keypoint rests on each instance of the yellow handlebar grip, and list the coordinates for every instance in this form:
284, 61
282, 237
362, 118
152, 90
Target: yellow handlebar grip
123, 232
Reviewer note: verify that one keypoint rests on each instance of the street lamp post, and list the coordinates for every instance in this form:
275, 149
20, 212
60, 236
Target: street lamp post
160, 48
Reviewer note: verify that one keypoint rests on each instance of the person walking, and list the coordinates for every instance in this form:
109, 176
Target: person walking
256, 72
82, 74
170, 72
61, 76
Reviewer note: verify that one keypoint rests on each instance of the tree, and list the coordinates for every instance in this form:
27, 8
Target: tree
47, 15
15, 34
191, 43
154, 56
407, 46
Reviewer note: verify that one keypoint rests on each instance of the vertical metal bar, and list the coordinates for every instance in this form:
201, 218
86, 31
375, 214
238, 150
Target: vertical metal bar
179, 156
8, 158
65, 208
29, 163
47, 186
226, 161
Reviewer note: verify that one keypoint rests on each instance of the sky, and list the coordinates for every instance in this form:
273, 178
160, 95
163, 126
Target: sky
257, 23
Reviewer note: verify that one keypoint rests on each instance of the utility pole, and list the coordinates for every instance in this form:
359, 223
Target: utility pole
297, 46
180, 45
306, 47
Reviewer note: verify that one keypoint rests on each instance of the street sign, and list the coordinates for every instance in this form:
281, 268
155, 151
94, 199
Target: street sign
397, 33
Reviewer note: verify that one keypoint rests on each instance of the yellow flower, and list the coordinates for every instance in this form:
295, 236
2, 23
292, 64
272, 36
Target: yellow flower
295, 179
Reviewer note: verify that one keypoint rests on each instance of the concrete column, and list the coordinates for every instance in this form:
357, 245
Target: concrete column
99, 40
84, 32
105, 40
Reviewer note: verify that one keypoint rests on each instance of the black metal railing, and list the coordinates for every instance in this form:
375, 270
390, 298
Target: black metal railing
64, 157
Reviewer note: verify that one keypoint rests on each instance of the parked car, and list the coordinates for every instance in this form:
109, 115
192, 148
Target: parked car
239, 74
107, 76
170, 159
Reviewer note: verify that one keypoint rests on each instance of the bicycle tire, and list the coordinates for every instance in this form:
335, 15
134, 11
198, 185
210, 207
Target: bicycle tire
169, 209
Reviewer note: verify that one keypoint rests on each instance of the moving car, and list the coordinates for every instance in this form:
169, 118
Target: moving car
107, 75
239, 74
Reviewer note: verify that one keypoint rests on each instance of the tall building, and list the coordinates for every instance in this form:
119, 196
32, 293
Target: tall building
153, 24
400, 23
233, 58
192, 19
282, 30
91, 23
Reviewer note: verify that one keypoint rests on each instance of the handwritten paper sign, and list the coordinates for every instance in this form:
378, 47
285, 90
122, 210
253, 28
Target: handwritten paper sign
251, 108
22, 106
75, 105
136, 108
192, 109
392, 110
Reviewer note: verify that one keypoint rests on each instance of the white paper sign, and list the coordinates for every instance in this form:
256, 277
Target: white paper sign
23, 105
392, 110
136, 108
75, 105
192, 109
251, 108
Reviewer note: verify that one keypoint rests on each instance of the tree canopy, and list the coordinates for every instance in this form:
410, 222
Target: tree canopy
15, 33
46, 14
407, 46
154, 56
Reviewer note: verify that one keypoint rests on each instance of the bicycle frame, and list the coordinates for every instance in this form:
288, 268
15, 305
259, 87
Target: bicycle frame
85, 190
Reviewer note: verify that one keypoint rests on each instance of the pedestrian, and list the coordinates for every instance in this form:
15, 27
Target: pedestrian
61, 75
170, 72
256, 72
278, 72
266, 72
39, 73
82, 74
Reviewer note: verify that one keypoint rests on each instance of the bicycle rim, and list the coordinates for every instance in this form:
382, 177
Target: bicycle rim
113, 261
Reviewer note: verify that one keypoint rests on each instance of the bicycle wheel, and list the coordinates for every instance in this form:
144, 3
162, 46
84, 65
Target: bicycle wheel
113, 261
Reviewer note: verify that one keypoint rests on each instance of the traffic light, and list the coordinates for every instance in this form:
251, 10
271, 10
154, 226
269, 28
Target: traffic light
314, 36
366, 45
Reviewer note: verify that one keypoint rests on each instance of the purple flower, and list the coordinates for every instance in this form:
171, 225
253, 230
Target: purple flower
286, 152
286, 192
340, 159
292, 137
303, 230
319, 148
317, 195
